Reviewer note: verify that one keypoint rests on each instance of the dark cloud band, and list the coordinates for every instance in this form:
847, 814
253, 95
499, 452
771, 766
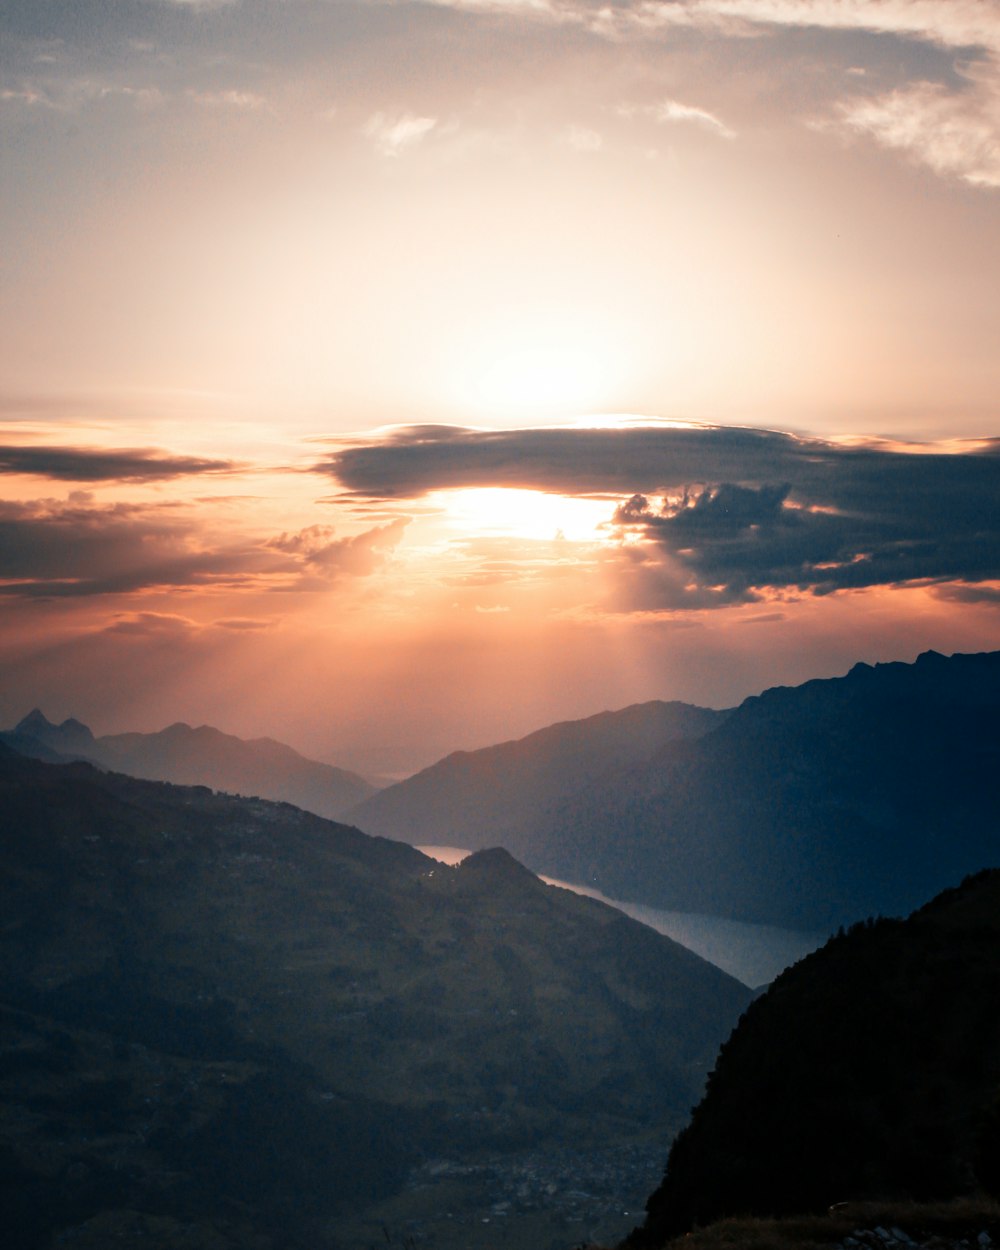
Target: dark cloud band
741, 513
419, 459
76, 464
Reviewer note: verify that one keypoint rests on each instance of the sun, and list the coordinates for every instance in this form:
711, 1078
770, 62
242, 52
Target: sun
536, 366
539, 378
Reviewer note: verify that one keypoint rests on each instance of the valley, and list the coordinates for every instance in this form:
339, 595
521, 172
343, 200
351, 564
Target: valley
500, 625
228, 1022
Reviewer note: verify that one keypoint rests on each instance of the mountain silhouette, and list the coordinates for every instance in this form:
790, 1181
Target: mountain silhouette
199, 756
870, 1070
477, 798
807, 806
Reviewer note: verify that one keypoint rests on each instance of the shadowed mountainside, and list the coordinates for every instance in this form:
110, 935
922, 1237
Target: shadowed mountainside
199, 757
807, 806
870, 1070
476, 799
237, 1021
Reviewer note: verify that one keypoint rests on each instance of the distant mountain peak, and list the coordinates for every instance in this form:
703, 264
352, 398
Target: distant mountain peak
35, 720
491, 859
494, 864
72, 735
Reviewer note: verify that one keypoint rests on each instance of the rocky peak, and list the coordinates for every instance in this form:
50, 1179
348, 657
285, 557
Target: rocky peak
72, 737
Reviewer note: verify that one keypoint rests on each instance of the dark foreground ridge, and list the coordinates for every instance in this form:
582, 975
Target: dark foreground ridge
869, 1070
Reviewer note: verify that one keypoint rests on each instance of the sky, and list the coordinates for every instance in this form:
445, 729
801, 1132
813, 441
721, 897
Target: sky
392, 378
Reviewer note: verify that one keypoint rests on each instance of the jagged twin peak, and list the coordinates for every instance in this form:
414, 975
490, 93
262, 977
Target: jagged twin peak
70, 738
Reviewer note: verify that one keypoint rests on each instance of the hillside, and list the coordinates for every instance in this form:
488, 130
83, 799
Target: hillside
204, 756
475, 799
248, 1026
806, 807
870, 1070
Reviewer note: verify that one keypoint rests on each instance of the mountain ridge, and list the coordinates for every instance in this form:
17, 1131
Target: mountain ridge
868, 1071
201, 755
806, 807
474, 796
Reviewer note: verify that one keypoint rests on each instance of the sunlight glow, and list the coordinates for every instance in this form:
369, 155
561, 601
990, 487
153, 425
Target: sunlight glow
538, 378
530, 514
546, 361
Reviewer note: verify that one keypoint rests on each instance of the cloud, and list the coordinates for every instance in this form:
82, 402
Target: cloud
540, 10
952, 129
60, 549
231, 99
947, 23
764, 618
393, 135
152, 624
955, 134
171, 625
583, 139
710, 516
70, 94
54, 549
78, 464
715, 510
732, 543
674, 111
964, 120
29, 95
989, 595
304, 543
412, 461
357, 555
244, 624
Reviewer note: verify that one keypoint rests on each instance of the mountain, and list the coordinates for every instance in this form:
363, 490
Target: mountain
239, 1025
476, 798
809, 807
870, 1070
38, 737
805, 807
202, 756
